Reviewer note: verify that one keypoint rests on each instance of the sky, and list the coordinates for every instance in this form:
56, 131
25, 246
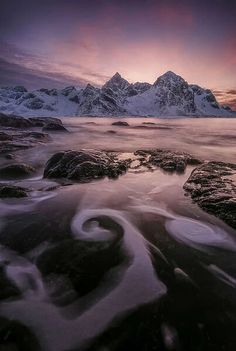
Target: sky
53, 43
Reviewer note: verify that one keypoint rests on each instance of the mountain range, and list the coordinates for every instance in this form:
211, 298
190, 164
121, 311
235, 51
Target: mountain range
169, 96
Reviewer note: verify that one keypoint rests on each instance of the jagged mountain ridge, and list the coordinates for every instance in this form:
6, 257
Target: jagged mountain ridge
170, 95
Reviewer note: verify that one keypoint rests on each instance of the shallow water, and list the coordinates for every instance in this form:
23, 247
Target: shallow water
161, 273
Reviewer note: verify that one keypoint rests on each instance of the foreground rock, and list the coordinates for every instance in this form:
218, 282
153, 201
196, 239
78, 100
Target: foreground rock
213, 187
84, 165
8, 190
16, 170
169, 161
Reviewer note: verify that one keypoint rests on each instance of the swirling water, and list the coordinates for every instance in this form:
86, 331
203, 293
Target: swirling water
120, 264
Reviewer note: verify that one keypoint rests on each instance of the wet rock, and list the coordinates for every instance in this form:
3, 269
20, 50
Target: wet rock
8, 190
84, 165
169, 161
16, 170
16, 336
54, 127
120, 123
14, 121
42, 121
213, 187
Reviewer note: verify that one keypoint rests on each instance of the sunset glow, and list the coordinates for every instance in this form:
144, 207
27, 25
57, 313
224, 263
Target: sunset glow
86, 41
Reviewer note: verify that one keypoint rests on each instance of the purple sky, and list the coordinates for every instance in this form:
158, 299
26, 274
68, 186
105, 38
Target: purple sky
61, 42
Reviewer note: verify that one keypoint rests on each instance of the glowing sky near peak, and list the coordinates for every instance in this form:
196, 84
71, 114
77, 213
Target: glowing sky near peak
81, 41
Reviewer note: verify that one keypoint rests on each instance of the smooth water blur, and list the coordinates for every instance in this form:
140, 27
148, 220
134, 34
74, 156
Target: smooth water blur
170, 267
209, 138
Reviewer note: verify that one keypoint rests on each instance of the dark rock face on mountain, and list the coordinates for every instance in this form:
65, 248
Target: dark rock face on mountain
173, 91
84, 165
170, 95
213, 188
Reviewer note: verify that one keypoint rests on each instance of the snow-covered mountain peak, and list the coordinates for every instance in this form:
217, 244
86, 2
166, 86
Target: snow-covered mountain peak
169, 96
169, 79
116, 83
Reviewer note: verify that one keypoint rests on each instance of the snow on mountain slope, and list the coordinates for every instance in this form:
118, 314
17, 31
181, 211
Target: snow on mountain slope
169, 96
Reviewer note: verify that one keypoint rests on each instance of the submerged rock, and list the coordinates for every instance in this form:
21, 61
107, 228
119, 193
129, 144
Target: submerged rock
84, 165
16, 170
213, 187
120, 123
8, 190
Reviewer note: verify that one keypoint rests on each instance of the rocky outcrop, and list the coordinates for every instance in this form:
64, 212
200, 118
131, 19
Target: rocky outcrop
212, 186
84, 165
169, 161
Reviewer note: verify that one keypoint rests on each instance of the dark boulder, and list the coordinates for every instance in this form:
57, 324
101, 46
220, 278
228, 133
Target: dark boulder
213, 188
84, 165
16, 170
